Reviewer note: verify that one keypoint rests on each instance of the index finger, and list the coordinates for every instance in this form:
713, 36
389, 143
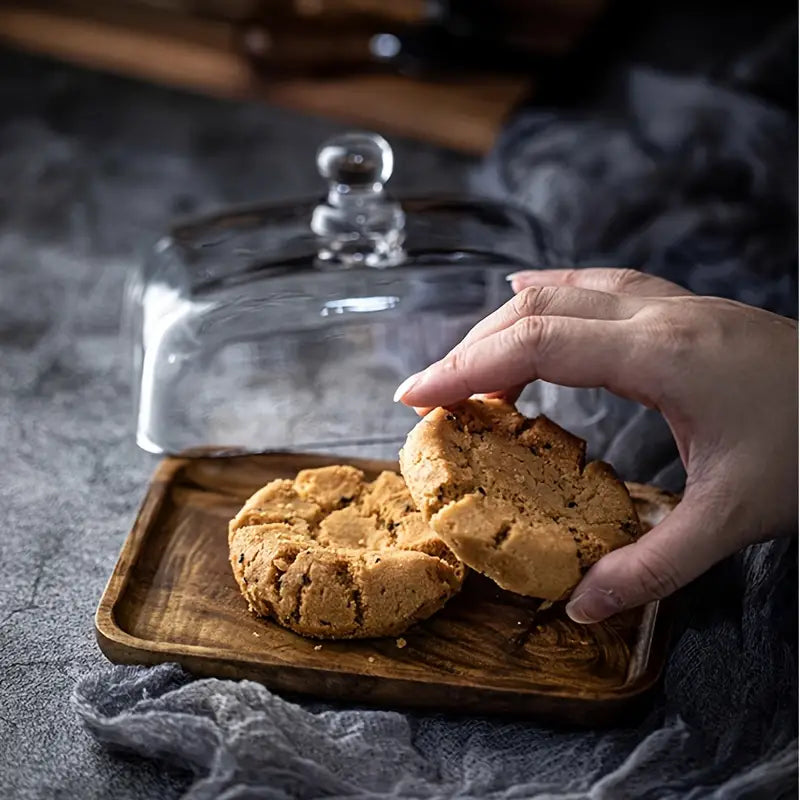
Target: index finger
565, 350
556, 301
617, 281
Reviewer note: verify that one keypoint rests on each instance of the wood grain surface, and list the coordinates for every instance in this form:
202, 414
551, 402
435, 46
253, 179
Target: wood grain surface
172, 597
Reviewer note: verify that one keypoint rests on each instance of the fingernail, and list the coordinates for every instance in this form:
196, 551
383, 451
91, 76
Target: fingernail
593, 605
406, 386
522, 273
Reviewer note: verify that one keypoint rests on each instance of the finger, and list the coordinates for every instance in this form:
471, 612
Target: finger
509, 395
563, 350
550, 301
617, 281
686, 544
554, 301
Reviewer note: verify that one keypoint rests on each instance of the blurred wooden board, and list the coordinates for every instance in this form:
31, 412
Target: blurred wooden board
172, 597
203, 54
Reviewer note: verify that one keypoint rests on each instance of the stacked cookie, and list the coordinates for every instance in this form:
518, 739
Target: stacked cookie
330, 555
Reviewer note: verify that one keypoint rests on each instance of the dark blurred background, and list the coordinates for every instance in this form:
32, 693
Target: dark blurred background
445, 71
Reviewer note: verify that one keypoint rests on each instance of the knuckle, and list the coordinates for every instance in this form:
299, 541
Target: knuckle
657, 576
669, 327
680, 335
723, 317
533, 300
573, 277
622, 280
529, 333
458, 361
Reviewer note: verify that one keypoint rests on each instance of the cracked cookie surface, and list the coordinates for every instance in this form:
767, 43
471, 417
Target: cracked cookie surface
514, 498
329, 555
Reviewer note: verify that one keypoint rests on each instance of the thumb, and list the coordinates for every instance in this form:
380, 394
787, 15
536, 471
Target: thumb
684, 545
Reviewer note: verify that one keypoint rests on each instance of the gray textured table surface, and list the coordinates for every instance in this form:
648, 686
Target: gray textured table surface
91, 168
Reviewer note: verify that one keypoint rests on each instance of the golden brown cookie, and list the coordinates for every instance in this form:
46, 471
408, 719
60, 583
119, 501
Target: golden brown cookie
514, 498
331, 556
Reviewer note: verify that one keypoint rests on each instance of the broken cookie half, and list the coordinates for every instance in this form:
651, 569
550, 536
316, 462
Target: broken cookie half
514, 498
331, 555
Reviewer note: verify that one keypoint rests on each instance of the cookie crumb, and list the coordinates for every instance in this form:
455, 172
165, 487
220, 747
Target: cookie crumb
256, 633
371, 659
318, 647
401, 643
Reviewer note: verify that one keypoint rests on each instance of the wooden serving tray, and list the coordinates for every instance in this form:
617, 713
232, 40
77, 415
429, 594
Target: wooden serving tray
172, 597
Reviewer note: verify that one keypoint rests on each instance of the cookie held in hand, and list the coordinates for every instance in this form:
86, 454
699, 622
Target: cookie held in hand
514, 498
332, 556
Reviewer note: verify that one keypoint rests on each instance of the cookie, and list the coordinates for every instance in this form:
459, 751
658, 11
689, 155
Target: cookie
514, 498
332, 556
652, 504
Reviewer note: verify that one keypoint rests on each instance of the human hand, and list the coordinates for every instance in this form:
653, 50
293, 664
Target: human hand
723, 374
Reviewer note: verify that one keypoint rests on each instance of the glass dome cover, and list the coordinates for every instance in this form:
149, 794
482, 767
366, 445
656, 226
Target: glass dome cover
288, 327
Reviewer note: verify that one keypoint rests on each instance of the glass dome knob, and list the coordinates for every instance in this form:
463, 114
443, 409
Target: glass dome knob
357, 223
356, 160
